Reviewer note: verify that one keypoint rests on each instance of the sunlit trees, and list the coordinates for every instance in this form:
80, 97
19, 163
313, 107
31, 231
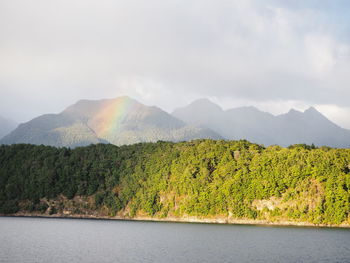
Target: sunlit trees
201, 178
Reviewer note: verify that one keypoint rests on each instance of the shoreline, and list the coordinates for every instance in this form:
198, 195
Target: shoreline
189, 219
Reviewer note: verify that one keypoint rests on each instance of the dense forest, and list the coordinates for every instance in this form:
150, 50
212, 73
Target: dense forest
201, 178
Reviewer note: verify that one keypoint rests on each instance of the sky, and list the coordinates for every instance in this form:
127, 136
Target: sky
272, 54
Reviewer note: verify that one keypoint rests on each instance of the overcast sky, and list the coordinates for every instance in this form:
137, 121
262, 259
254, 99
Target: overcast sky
275, 55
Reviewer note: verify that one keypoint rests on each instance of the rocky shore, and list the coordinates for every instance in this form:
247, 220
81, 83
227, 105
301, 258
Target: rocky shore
187, 219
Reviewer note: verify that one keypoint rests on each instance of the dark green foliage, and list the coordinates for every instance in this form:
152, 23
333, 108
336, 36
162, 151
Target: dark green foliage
198, 178
42, 207
303, 146
8, 206
52, 211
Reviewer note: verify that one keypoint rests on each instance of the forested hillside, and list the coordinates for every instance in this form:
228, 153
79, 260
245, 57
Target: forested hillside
202, 178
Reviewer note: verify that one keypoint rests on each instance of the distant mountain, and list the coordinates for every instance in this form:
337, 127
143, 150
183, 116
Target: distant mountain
6, 126
261, 127
118, 121
125, 121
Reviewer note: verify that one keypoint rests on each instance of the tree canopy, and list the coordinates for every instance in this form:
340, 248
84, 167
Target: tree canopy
203, 178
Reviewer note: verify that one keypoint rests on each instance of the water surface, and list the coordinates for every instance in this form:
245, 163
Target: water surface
81, 240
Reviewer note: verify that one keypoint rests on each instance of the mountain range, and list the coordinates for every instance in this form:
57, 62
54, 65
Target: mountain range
310, 126
118, 121
126, 121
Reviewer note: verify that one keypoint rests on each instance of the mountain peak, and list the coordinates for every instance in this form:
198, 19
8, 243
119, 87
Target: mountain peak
315, 114
312, 110
199, 112
204, 103
198, 107
293, 111
121, 98
87, 107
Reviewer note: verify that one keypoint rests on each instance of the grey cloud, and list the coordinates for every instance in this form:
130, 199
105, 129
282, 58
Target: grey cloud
61, 51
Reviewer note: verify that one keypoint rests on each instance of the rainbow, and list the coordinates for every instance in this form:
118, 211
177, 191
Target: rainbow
108, 121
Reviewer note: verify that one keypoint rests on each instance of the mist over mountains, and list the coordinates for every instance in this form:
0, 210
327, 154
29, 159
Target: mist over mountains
261, 127
118, 121
6, 126
126, 121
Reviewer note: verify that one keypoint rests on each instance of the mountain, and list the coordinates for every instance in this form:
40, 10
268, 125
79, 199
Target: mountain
309, 127
53, 129
125, 121
254, 125
118, 121
6, 126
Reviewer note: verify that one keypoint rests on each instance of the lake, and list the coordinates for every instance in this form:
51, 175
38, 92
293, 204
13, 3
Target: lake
81, 240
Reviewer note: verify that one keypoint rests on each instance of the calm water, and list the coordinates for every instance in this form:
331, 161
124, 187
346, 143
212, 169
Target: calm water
76, 240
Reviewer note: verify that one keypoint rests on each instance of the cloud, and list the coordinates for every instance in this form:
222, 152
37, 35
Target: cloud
340, 115
170, 52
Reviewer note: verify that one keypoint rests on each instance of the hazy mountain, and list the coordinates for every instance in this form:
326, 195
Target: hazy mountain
117, 121
126, 121
309, 127
53, 129
6, 126
261, 127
